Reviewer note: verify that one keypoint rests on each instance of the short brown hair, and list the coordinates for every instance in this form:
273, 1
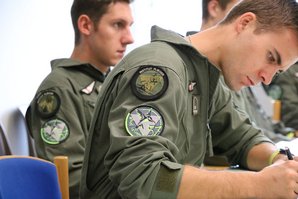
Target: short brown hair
95, 9
271, 14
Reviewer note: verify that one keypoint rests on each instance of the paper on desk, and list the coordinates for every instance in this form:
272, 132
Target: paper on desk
292, 145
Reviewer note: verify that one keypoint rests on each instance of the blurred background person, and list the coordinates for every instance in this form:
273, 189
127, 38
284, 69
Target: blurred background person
285, 88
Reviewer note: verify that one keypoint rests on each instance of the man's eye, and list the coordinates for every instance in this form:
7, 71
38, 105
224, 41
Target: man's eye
118, 25
271, 58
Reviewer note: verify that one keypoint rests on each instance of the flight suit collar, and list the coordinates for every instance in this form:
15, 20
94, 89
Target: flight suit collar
160, 34
88, 85
65, 62
84, 67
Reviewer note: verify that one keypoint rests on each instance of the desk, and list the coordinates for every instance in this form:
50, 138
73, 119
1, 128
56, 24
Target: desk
216, 168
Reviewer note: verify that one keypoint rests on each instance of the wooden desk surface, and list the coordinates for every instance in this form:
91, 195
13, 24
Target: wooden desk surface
216, 168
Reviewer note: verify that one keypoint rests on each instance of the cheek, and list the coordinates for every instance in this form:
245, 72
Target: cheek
250, 59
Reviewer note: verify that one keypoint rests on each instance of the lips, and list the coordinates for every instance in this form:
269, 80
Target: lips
121, 52
250, 82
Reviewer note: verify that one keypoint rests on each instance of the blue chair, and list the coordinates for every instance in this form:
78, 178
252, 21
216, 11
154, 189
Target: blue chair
26, 177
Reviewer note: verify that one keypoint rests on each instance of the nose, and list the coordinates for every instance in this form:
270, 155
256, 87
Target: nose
267, 77
127, 37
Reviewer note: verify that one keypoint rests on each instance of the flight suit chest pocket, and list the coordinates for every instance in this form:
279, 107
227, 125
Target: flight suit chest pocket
90, 101
90, 104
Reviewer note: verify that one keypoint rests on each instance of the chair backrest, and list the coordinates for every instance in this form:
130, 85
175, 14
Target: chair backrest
20, 141
61, 163
25, 177
4, 146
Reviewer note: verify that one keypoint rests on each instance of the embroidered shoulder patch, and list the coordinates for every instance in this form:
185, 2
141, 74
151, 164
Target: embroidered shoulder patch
54, 131
47, 104
144, 121
149, 83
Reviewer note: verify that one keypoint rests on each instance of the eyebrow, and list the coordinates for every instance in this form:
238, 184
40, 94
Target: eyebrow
278, 58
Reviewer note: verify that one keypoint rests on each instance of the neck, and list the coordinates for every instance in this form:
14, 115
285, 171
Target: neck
81, 54
211, 43
208, 23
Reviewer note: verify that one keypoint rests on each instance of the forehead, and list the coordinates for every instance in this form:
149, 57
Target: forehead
118, 8
286, 44
118, 11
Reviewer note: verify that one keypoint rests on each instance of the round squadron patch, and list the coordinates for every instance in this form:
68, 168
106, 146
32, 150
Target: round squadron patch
54, 131
144, 121
149, 83
47, 104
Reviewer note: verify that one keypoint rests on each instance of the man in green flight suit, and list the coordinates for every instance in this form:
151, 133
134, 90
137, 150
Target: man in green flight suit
162, 110
60, 114
214, 11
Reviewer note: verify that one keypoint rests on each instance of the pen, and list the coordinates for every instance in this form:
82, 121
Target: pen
288, 153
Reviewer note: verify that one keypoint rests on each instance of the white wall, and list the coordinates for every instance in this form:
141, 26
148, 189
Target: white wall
176, 15
33, 32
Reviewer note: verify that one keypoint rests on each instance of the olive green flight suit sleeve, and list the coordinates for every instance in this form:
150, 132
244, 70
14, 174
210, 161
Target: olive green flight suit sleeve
146, 166
233, 134
71, 114
288, 82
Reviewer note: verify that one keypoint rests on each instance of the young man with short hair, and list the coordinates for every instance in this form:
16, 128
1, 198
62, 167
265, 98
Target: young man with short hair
60, 114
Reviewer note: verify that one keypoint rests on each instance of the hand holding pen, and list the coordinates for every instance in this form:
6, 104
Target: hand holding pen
288, 153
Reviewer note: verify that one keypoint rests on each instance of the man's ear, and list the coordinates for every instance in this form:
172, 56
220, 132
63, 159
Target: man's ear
213, 7
85, 24
244, 21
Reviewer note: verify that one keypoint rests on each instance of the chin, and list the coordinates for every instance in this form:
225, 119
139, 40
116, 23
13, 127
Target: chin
240, 87
114, 62
234, 87
237, 89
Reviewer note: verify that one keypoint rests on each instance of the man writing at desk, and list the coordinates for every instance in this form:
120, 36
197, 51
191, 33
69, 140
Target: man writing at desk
162, 110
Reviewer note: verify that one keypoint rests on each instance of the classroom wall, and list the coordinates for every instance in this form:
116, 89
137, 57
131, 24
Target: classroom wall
32, 33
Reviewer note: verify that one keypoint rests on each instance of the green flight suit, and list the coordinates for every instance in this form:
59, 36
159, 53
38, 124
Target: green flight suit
246, 101
60, 114
159, 109
288, 84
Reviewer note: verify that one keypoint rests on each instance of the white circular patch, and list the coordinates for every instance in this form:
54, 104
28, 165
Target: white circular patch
54, 131
144, 121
